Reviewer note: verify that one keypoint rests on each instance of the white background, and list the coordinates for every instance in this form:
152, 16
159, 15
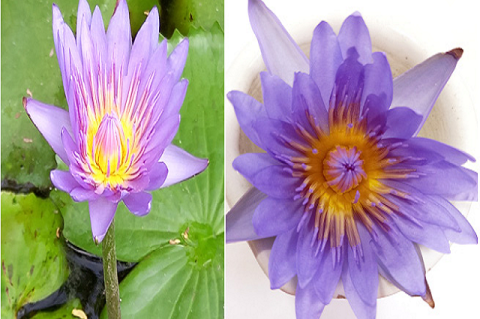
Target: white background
437, 26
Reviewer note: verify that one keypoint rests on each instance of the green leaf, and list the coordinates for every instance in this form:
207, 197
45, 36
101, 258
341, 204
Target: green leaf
65, 312
184, 14
30, 65
199, 199
138, 12
33, 260
184, 281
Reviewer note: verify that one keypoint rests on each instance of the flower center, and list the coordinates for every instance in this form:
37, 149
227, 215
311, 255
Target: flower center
343, 169
342, 173
109, 152
109, 145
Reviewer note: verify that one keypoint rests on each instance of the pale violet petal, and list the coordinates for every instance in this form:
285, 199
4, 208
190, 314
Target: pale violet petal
281, 54
138, 203
239, 220
181, 165
49, 120
102, 212
419, 87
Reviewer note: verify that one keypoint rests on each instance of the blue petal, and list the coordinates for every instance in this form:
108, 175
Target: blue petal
274, 216
238, 224
277, 96
282, 262
362, 309
398, 261
363, 269
102, 212
281, 54
248, 110
307, 304
419, 87
354, 34
325, 58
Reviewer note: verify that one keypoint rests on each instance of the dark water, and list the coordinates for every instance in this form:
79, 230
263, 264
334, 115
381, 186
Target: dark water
85, 282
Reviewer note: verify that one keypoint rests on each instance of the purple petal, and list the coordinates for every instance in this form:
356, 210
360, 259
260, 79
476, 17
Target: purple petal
378, 81
277, 96
146, 41
450, 154
447, 180
138, 203
157, 65
354, 33
425, 234
90, 63
69, 146
63, 180
281, 265
307, 97
275, 134
49, 120
362, 309
402, 123
99, 38
176, 98
164, 132
102, 212
176, 60
398, 261
248, 110
69, 58
158, 174
419, 88
238, 224
427, 210
328, 274
80, 194
307, 305
84, 18
281, 54
181, 165
273, 180
308, 262
273, 216
467, 234
325, 58
363, 271
251, 163
349, 81
119, 39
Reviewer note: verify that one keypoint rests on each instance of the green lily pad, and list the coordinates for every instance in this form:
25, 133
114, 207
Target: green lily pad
29, 66
183, 281
183, 14
199, 199
64, 312
139, 10
33, 259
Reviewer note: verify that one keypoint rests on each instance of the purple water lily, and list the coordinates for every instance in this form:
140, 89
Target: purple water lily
346, 187
124, 103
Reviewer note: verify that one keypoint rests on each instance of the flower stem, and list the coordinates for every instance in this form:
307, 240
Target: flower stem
110, 274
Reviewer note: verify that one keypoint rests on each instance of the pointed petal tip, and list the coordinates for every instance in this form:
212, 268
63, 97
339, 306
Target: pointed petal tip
97, 240
456, 53
428, 298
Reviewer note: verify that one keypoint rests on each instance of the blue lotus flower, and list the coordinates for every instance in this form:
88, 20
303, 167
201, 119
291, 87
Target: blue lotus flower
124, 103
346, 187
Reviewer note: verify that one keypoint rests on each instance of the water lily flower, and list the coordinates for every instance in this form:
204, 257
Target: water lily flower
124, 101
346, 186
